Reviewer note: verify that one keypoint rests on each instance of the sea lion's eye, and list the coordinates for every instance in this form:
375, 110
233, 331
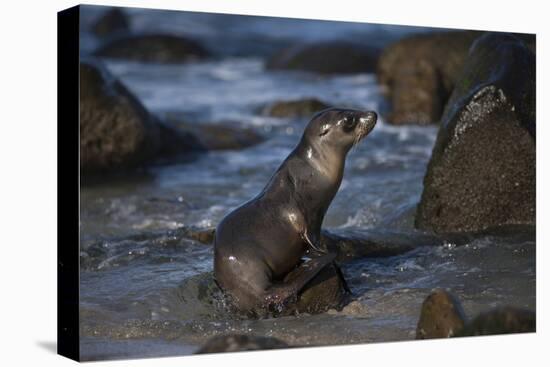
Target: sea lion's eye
349, 124
324, 129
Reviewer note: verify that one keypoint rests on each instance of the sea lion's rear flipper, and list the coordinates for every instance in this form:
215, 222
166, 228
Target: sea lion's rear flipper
295, 281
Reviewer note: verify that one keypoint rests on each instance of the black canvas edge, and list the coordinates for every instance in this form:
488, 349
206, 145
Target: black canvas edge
68, 183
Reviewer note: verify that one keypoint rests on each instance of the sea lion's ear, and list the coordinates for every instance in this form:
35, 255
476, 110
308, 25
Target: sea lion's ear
324, 129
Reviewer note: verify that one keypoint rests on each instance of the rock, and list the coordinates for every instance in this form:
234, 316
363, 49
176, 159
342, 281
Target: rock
418, 73
111, 22
327, 290
482, 170
352, 244
116, 132
504, 320
326, 58
441, 316
355, 309
153, 48
202, 235
296, 108
220, 136
238, 343
225, 135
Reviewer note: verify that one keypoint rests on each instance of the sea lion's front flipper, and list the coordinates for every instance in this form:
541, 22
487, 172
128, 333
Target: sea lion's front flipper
287, 291
312, 242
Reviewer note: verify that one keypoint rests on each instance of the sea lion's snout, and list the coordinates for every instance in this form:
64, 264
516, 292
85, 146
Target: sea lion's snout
368, 119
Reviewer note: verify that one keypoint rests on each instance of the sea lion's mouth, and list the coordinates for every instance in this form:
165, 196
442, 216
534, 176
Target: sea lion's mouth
367, 121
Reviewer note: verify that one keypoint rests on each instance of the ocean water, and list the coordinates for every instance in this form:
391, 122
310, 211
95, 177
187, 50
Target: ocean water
144, 291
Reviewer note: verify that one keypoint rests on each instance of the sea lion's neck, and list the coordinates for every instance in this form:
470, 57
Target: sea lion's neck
312, 174
327, 162
317, 177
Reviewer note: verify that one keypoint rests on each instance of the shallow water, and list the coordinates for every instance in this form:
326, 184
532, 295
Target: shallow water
144, 291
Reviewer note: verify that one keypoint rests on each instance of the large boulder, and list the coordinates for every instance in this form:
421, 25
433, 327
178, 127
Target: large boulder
113, 21
482, 170
153, 48
326, 58
116, 132
418, 74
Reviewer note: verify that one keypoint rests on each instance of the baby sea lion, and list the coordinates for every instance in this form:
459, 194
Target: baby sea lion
262, 241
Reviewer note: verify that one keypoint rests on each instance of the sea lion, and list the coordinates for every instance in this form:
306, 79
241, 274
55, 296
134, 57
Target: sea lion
262, 241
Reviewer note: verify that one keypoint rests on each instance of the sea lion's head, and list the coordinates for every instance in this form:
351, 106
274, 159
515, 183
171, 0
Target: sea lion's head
338, 129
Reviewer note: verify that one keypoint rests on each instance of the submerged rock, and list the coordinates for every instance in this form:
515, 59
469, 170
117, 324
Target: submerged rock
326, 58
296, 108
482, 170
111, 22
154, 48
418, 74
441, 316
238, 343
116, 131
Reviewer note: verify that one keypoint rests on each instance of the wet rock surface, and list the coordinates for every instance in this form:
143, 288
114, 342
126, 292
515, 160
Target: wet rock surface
296, 108
418, 74
113, 21
117, 133
441, 316
482, 170
238, 343
153, 48
326, 58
